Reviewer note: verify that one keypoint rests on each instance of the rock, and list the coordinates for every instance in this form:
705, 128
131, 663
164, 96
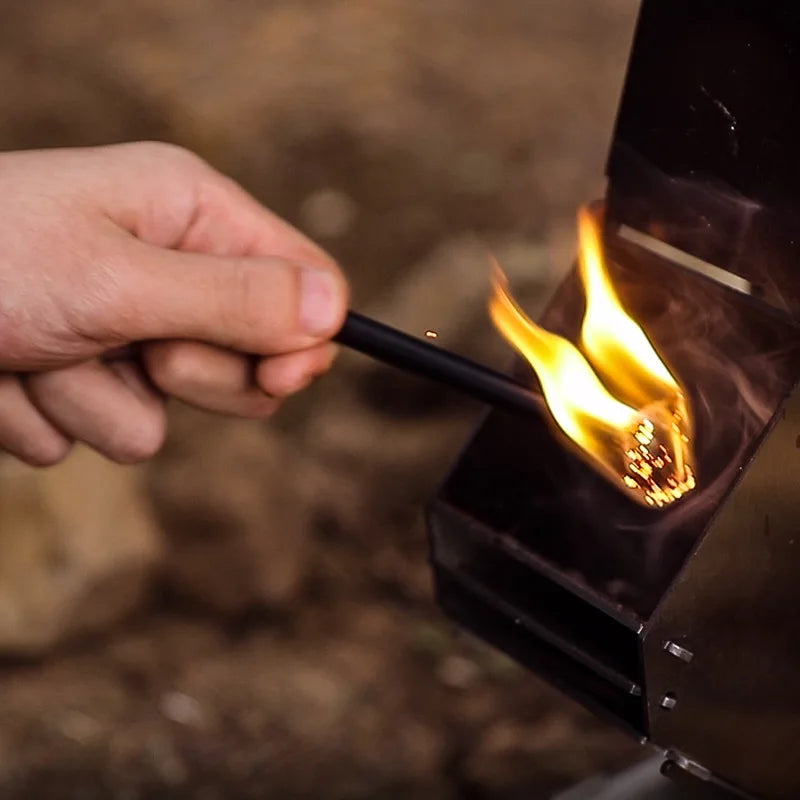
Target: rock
236, 503
79, 548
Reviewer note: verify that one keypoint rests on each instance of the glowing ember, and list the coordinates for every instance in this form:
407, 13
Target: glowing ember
628, 413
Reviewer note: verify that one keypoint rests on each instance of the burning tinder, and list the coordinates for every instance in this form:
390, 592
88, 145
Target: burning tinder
619, 402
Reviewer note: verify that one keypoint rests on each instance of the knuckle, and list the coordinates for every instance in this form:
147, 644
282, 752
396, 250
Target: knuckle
245, 306
174, 164
182, 164
45, 451
139, 442
172, 366
153, 149
248, 301
146, 154
100, 311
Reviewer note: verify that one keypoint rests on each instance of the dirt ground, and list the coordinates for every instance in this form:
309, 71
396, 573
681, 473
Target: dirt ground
398, 133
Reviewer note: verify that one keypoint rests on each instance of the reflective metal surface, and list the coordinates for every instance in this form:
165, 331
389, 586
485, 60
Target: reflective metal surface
705, 149
685, 627
644, 781
735, 606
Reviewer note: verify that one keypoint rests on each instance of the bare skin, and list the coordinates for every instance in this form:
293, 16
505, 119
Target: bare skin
227, 307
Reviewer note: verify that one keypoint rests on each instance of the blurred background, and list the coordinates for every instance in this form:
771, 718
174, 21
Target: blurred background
251, 615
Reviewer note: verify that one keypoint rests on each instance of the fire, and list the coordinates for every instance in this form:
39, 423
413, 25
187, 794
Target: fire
625, 410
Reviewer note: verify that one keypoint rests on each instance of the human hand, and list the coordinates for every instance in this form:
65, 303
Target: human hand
102, 248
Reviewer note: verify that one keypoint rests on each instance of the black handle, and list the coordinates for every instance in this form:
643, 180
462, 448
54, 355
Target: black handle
422, 358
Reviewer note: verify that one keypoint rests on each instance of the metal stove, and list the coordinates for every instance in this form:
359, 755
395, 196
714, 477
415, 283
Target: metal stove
682, 625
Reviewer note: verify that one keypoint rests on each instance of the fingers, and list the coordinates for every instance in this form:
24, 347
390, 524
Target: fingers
24, 431
110, 408
226, 382
182, 253
284, 375
265, 306
207, 377
208, 262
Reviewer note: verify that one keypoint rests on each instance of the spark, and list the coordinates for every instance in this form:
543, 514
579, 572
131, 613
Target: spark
731, 119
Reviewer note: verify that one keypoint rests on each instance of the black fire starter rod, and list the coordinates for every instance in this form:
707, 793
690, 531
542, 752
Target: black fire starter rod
422, 358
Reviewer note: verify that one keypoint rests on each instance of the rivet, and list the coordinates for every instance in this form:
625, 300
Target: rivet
669, 701
676, 650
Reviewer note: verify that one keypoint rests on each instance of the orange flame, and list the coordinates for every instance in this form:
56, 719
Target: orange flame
629, 414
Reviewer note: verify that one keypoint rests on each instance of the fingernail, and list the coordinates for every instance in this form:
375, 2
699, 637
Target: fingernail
319, 301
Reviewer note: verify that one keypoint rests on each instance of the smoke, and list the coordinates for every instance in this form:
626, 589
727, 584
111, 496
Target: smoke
737, 362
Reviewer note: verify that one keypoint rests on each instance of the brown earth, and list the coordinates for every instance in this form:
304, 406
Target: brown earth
291, 648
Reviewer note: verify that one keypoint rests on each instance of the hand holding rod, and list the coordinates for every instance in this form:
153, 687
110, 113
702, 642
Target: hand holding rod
426, 360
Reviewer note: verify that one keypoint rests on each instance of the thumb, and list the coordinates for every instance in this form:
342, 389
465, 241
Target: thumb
260, 305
